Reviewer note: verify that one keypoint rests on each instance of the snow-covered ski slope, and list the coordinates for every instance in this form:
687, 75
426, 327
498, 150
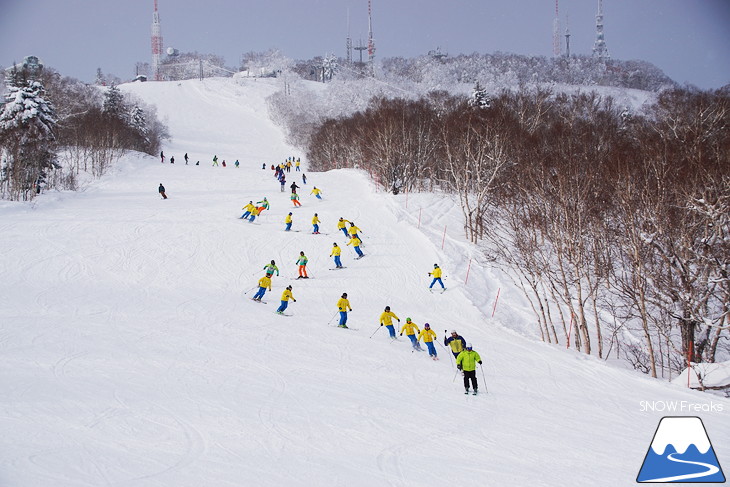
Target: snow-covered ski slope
129, 355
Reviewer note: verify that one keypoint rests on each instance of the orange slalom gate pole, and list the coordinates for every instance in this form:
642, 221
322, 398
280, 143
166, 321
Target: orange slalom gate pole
443, 240
495, 302
466, 279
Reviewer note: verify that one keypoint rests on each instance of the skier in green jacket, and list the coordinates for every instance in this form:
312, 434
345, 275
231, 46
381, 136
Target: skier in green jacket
270, 268
467, 362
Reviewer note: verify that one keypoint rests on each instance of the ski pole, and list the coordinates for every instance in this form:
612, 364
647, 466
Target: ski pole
333, 317
451, 355
457, 373
376, 330
484, 379
250, 290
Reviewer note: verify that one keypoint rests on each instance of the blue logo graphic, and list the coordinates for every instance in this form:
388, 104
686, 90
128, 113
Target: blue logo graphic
681, 452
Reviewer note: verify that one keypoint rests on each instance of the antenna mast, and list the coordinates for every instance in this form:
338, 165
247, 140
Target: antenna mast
371, 42
156, 45
556, 32
599, 47
348, 41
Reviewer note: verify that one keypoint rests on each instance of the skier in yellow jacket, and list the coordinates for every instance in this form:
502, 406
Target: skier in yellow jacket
264, 282
315, 223
386, 319
336, 251
355, 242
467, 361
411, 330
436, 273
285, 297
353, 230
316, 192
341, 225
428, 336
249, 207
288, 221
343, 305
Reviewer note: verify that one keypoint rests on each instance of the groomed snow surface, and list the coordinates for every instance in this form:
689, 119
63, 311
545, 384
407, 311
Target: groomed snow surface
130, 356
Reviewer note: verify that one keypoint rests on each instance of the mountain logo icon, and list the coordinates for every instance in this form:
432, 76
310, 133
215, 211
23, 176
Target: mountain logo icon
681, 452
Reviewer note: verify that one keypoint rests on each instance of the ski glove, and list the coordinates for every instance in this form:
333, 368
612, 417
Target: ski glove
480, 362
458, 367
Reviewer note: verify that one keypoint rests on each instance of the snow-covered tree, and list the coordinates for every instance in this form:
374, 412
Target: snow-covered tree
479, 97
27, 139
138, 124
114, 101
329, 67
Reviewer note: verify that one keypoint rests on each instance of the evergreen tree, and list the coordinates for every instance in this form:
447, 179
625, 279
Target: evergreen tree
138, 124
479, 97
27, 138
114, 102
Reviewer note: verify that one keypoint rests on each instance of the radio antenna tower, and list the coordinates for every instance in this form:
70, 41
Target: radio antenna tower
556, 32
156, 45
567, 37
371, 42
348, 41
599, 47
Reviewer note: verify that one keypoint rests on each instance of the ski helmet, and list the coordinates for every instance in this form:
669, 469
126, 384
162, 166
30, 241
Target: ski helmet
387, 308
453, 332
427, 325
344, 295
435, 265
408, 320
272, 262
468, 346
289, 287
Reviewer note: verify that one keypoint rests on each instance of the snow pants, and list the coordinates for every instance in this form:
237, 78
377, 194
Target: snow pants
316, 228
470, 374
435, 280
246, 215
338, 263
414, 342
391, 330
302, 271
343, 317
288, 227
344, 230
260, 293
431, 349
284, 305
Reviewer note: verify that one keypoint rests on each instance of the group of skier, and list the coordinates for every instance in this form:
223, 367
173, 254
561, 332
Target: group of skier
466, 358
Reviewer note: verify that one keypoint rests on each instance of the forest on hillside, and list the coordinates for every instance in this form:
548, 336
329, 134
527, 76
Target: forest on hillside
614, 222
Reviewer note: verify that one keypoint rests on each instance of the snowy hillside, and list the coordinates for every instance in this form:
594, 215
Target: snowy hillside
130, 356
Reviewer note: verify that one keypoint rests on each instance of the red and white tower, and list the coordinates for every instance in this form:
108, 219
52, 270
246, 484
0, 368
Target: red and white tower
371, 42
156, 45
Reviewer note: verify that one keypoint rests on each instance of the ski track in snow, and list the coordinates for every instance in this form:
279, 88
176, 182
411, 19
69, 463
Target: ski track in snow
129, 354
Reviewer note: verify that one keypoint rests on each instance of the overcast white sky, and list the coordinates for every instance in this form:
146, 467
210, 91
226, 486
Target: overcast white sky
687, 39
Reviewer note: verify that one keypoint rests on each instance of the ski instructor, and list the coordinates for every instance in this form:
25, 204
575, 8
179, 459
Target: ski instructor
467, 362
